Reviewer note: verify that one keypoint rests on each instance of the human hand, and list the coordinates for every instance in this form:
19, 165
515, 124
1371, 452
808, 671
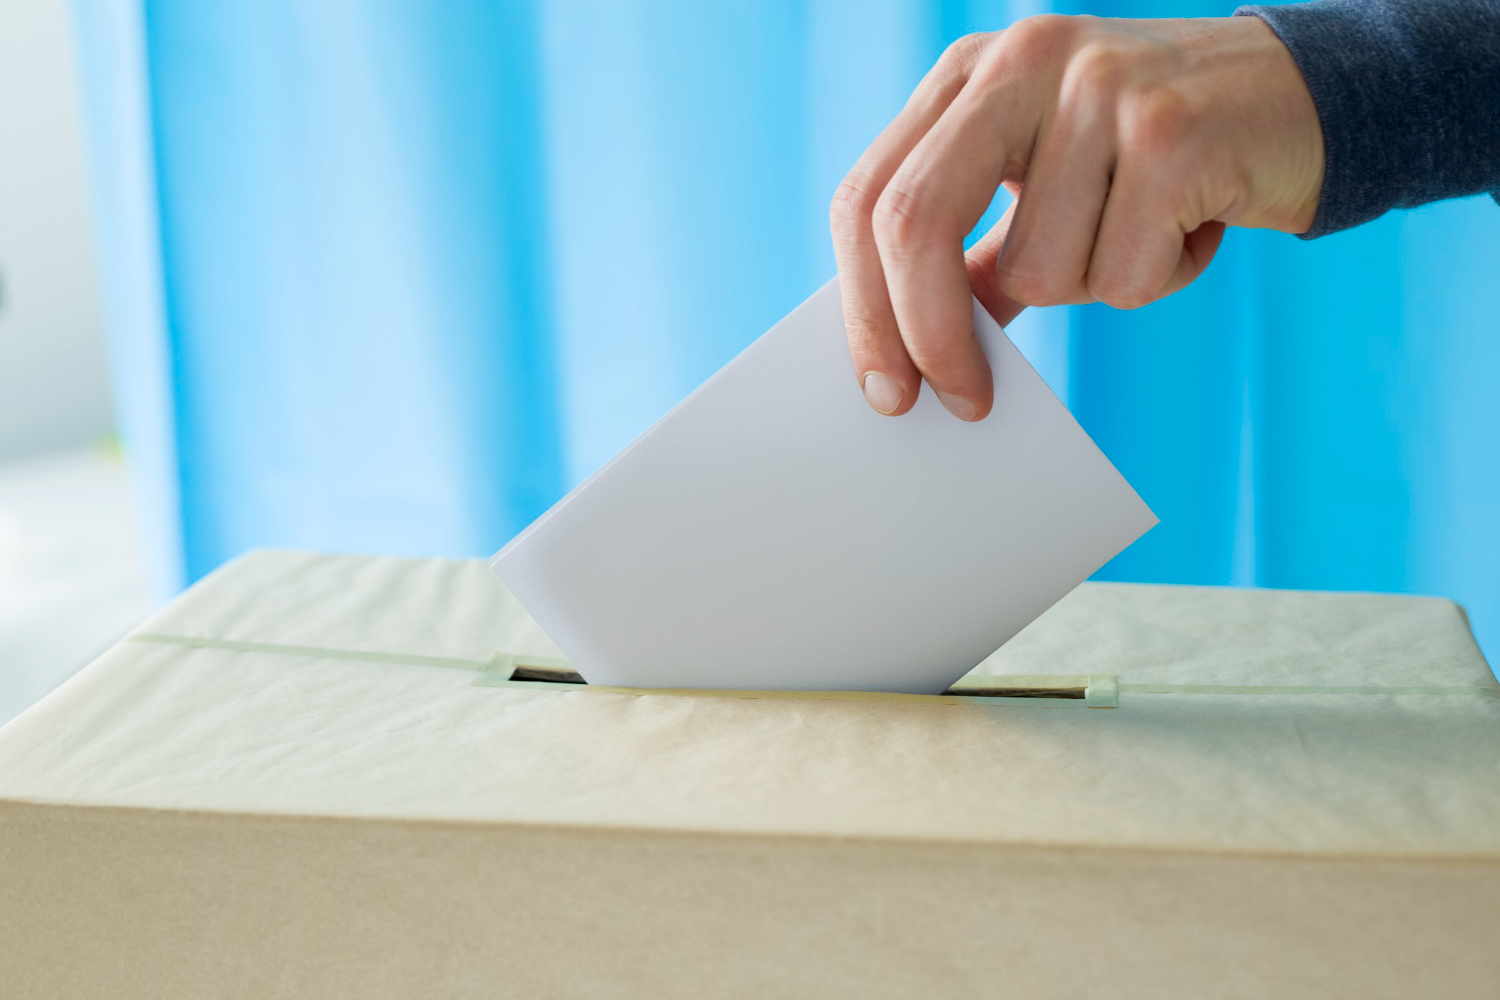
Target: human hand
1130, 145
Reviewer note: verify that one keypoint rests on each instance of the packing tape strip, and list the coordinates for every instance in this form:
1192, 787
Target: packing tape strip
319, 652
1100, 690
1274, 689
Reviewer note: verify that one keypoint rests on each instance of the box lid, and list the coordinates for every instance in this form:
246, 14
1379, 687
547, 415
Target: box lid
1248, 721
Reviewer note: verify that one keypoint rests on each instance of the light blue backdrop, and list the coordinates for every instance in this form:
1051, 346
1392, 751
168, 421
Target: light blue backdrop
390, 277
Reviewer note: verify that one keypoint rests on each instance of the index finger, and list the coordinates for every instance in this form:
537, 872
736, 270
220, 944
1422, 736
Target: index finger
886, 373
938, 194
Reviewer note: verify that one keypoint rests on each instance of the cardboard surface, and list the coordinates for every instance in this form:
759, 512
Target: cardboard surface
188, 822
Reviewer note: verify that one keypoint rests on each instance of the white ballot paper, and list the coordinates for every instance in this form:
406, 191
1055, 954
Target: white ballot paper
774, 532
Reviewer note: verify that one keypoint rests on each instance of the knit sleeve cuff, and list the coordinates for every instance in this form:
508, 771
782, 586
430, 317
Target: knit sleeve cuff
1339, 61
1406, 95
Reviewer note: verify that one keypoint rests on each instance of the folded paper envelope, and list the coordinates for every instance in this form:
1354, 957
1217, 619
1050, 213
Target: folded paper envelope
773, 531
304, 779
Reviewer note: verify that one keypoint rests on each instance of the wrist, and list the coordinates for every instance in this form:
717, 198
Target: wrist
1284, 149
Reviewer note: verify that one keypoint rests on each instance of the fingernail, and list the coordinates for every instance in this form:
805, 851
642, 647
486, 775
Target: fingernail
957, 405
882, 392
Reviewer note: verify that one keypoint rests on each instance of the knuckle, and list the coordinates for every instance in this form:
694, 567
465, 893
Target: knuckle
1033, 289
1040, 37
982, 274
995, 68
1158, 122
852, 204
962, 55
903, 218
865, 331
1119, 296
938, 362
945, 355
1099, 69
1019, 50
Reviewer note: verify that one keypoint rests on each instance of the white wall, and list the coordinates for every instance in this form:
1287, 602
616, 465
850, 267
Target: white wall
53, 390
70, 576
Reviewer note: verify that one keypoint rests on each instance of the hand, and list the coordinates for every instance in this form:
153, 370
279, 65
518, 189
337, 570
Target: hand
1130, 145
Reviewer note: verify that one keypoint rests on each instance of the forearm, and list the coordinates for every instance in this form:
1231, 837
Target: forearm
1408, 94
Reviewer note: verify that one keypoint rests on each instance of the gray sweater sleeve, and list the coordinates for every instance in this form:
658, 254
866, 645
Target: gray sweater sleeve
1408, 92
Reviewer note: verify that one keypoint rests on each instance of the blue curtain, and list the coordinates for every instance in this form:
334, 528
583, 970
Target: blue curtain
391, 277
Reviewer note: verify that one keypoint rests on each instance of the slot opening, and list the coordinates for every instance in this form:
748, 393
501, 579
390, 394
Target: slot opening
1068, 693
983, 686
551, 675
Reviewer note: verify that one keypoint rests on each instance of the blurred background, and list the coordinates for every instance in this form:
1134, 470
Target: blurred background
393, 276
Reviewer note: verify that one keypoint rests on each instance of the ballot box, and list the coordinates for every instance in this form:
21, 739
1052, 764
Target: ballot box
322, 776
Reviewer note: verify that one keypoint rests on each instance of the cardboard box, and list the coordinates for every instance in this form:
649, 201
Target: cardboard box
310, 777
